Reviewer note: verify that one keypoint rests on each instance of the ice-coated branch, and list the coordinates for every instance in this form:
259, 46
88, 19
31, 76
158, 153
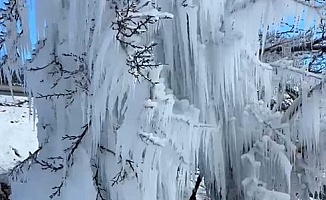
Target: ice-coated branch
70, 150
184, 3
45, 66
32, 159
150, 138
141, 60
103, 149
296, 106
240, 5
131, 22
80, 75
11, 34
99, 187
312, 5
306, 47
194, 191
19, 168
277, 133
57, 190
119, 177
38, 47
68, 94
76, 141
50, 165
124, 173
286, 64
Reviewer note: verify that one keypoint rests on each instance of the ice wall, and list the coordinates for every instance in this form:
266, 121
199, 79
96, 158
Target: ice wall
207, 109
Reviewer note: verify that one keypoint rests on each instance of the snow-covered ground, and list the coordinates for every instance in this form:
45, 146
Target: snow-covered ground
17, 131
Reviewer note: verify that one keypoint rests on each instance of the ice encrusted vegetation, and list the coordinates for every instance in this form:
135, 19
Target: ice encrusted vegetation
139, 99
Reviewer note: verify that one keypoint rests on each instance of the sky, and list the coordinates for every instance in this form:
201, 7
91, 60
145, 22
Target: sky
32, 21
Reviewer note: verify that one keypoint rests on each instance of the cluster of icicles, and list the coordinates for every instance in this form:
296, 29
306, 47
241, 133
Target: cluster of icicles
221, 126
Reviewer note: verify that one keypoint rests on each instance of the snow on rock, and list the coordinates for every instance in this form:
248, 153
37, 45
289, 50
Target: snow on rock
269, 154
255, 189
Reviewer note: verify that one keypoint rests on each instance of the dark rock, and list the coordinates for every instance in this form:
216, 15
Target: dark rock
5, 191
